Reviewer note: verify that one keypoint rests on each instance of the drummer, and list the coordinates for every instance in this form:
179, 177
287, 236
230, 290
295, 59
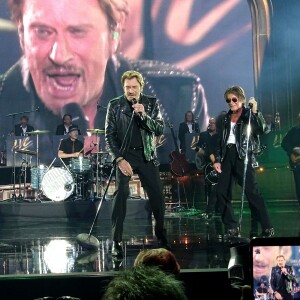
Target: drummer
70, 147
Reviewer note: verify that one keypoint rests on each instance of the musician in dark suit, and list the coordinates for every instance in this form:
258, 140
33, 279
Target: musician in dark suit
291, 145
282, 279
190, 125
63, 128
23, 127
204, 149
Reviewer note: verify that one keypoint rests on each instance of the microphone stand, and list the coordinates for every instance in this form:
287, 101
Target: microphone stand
88, 240
245, 166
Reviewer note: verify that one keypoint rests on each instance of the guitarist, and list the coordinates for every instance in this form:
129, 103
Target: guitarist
188, 126
291, 145
204, 148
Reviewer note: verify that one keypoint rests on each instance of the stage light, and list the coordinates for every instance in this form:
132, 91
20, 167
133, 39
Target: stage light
59, 256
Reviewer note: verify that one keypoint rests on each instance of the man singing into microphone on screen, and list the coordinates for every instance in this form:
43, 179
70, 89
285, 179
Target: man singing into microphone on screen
133, 122
282, 279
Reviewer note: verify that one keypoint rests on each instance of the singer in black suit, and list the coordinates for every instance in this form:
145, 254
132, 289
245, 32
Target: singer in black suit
282, 279
23, 127
230, 155
190, 125
130, 132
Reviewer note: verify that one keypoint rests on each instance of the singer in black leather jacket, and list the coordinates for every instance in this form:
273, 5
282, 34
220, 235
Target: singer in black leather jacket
282, 279
230, 155
133, 121
118, 116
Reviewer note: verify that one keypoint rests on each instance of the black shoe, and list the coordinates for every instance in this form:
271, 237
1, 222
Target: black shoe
163, 243
269, 232
233, 232
253, 234
116, 249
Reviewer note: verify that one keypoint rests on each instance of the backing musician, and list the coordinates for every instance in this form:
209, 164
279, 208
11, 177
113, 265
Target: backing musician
204, 148
188, 126
63, 128
70, 151
71, 147
23, 127
291, 145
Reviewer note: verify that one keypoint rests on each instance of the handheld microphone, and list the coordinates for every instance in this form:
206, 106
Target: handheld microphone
250, 104
134, 101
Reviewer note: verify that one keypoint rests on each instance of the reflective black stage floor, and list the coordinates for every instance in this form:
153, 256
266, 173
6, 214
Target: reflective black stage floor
43, 242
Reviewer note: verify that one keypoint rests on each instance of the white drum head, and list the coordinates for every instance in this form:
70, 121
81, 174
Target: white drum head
58, 184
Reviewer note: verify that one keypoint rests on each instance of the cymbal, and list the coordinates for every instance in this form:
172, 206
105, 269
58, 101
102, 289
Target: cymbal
96, 130
101, 152
29, 152
6, 25
38, 132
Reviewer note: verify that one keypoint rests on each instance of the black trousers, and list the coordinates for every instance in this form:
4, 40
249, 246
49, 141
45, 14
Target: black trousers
233, 169
150, 180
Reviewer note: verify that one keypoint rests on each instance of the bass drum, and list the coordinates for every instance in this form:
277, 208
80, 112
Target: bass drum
58, 184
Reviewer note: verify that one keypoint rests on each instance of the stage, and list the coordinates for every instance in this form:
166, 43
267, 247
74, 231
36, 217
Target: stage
39, 252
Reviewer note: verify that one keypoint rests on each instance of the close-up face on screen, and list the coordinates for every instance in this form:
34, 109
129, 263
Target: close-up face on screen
275, 270
75, 67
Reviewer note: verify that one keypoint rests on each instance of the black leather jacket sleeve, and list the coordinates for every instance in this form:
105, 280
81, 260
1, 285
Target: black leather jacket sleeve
117, 121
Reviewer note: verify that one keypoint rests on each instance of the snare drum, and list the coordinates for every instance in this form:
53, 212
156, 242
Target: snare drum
37, 175
80, 164
58, 184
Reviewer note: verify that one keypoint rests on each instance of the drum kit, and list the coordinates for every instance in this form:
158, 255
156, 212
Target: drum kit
27, 153
76, 179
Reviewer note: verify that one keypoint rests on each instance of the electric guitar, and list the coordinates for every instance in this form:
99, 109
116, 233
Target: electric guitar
211, 175
200, 162
179, 165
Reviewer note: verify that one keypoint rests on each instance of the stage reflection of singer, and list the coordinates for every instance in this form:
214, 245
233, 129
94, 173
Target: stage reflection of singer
134, 153
70, 147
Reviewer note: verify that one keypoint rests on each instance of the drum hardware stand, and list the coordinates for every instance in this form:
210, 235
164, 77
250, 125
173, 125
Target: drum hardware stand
179, 207
13, 115
97, 132
22, 174
14, 196
99, 179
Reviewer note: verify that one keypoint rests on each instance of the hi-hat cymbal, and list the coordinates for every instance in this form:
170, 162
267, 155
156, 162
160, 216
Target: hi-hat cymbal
96, 130
38, 131
29, 152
